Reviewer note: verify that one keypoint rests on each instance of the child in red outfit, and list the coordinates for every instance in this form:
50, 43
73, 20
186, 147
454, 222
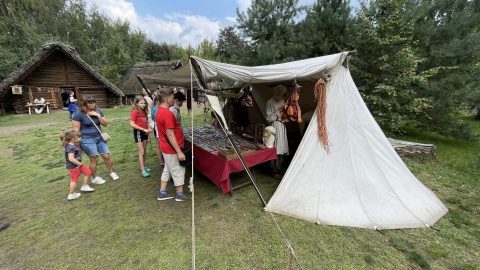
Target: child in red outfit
70, 140
139, 123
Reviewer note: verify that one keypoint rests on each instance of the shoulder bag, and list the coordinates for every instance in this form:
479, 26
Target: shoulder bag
104, 135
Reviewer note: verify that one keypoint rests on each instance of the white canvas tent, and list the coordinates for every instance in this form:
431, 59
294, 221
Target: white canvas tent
362, 182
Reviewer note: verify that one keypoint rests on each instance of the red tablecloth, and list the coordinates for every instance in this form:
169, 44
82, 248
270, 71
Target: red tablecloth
218, 169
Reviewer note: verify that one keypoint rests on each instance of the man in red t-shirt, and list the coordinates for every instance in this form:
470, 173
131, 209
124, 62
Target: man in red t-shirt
170, 135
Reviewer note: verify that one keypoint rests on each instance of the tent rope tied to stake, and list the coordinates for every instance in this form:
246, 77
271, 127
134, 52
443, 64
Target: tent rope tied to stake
320, 93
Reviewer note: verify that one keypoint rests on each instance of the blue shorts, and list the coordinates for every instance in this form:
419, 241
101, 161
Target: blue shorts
94, 146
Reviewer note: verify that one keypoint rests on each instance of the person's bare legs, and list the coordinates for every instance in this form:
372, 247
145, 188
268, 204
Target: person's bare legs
85, 180
141, 155
93, 166
163, 185
108, 162
72, 187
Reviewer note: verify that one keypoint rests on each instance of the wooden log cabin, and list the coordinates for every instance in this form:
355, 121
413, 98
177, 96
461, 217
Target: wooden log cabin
52, 73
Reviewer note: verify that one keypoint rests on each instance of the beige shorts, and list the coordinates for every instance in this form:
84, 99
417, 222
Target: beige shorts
173, 169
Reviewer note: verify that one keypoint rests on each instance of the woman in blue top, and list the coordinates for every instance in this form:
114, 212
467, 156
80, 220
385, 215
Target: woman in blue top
72, 104
88, 120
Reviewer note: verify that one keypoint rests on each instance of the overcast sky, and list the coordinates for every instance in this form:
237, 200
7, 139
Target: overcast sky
179, 21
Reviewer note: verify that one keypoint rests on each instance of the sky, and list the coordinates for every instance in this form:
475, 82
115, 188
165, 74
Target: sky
180, 22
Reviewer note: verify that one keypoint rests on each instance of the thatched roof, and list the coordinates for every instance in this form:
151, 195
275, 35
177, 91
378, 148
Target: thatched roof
130, 84
47, 50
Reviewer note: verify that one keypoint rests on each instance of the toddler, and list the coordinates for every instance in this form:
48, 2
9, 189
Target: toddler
70, 140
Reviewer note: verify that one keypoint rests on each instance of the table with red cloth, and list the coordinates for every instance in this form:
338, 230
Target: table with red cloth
216, 168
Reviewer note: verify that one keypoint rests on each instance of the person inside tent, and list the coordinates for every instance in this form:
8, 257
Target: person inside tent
273, 109
39, 100
179, 98
268, 137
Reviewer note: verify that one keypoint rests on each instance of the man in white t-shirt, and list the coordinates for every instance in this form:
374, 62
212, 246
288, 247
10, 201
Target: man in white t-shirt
39, 100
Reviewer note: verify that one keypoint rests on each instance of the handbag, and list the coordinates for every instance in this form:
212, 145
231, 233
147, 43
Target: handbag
104, 135
186, 150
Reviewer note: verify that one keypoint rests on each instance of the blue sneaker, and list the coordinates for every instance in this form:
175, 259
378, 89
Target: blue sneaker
164, 196
145, 174
148, 169
182, 197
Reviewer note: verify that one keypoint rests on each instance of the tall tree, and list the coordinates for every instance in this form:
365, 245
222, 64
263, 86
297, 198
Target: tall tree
206, 49
228, 44
157, 52
448, 34
21, 36
386, 67
271, 31
327, 27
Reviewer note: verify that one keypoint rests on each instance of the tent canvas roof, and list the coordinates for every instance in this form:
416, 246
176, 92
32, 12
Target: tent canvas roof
308, 69
362, 182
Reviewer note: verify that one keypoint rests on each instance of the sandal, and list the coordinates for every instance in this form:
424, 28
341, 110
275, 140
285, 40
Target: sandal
148, 169
145, 174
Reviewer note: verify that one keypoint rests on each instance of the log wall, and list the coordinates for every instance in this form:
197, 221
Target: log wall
57, 72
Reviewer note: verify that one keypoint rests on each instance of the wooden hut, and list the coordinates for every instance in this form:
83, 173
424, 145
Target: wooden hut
52, 73
129, 83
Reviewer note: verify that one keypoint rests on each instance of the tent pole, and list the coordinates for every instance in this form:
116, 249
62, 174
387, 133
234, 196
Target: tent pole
250, 175
145, 87
229, 134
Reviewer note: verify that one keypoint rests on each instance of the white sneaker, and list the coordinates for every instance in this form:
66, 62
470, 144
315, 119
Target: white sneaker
86, 188
114, 176
73, 196
98, 180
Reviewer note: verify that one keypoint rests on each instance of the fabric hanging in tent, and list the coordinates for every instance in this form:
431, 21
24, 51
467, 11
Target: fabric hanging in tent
215, 104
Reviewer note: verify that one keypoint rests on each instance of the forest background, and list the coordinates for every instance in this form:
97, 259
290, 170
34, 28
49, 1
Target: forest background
417, 63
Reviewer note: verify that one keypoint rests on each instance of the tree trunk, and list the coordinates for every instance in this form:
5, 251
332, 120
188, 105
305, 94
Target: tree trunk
413, 149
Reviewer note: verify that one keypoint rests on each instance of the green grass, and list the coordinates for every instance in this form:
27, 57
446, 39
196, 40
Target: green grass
122, 226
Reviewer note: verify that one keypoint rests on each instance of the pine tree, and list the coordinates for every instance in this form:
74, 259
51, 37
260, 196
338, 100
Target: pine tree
448, 37
327, 27
270, 30
386, 67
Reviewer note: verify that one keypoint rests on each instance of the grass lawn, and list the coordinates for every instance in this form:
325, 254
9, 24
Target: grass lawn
122, 226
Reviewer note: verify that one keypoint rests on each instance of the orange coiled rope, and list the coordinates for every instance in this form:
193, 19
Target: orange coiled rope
320, 93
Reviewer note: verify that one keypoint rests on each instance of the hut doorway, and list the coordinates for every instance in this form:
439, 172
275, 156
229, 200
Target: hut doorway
65, 93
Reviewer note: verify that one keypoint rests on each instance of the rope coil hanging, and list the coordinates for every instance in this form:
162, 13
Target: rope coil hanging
320, 93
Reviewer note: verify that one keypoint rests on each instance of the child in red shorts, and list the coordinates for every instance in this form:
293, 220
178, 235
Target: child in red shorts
70, 140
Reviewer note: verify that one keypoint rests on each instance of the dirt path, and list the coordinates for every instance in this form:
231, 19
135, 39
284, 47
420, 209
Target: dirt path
17, 128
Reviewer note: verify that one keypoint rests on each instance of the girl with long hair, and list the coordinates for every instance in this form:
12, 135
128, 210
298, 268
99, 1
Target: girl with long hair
139, 123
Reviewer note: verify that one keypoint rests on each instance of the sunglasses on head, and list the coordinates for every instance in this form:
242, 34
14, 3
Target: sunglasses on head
91, 102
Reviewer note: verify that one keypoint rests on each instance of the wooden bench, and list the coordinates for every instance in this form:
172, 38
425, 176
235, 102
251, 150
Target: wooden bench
34, 105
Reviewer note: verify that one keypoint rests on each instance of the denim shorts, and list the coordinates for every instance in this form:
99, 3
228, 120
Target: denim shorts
94, 146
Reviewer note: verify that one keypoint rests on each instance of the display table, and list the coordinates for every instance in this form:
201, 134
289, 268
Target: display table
30, 105
216, 168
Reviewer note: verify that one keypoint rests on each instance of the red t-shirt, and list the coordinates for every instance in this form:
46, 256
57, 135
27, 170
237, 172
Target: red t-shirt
140, 118
165, 119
